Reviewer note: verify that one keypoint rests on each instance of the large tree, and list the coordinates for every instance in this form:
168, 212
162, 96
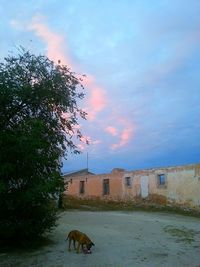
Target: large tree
38, 112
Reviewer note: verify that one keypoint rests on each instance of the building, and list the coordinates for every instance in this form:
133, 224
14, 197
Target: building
180, 184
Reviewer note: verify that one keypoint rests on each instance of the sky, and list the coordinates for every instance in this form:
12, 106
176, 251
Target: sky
141, 59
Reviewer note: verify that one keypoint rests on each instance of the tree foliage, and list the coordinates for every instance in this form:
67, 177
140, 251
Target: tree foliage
38, 112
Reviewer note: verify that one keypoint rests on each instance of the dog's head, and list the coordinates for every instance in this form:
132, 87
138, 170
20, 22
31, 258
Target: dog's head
89, 245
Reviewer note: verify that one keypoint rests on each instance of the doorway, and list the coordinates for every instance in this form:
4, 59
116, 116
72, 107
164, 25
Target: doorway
144, 184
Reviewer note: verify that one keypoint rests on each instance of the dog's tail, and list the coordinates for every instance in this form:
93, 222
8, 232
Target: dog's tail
67, 237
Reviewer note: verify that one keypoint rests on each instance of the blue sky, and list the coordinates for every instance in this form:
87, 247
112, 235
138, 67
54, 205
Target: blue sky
142, 61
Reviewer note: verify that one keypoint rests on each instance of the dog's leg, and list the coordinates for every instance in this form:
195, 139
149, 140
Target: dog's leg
74, 241
78, 247
69, 248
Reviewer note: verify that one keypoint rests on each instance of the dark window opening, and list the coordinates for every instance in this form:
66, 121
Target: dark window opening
161, 179
128, 181
82, 187
106, 189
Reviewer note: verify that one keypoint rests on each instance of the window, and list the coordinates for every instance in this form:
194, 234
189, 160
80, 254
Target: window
161, 179
106, 189
128, 181
82, 187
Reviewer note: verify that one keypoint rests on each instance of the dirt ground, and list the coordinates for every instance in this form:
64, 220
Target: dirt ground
121, 239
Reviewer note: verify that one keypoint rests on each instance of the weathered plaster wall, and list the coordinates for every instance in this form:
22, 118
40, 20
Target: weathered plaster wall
94, 185
130, 192
182, 184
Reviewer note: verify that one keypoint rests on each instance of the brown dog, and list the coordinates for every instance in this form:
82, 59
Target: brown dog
82, 240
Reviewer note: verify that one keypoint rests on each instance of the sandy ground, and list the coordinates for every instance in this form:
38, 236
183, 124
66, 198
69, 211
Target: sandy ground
121, 239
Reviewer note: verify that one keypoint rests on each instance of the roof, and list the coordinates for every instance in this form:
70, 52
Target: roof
78, 173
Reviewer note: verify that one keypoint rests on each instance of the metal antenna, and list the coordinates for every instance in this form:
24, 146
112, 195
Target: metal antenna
87, 160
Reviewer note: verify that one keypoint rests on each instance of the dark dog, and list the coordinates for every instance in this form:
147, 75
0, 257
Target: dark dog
81, 238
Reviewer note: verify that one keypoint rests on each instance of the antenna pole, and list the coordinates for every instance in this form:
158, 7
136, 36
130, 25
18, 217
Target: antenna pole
87, 160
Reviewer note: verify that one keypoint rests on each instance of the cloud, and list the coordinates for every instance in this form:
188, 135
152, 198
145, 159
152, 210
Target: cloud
85, 140
57, 50
124, 137
81, 147
55, 42
122, 131
111, 130
97, 97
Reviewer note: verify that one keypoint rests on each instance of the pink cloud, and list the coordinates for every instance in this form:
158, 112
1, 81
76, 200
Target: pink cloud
111, 130
97, 97
125, 135
55, 43
97, 102
81, 147
87, 140
96, 142
124, 138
